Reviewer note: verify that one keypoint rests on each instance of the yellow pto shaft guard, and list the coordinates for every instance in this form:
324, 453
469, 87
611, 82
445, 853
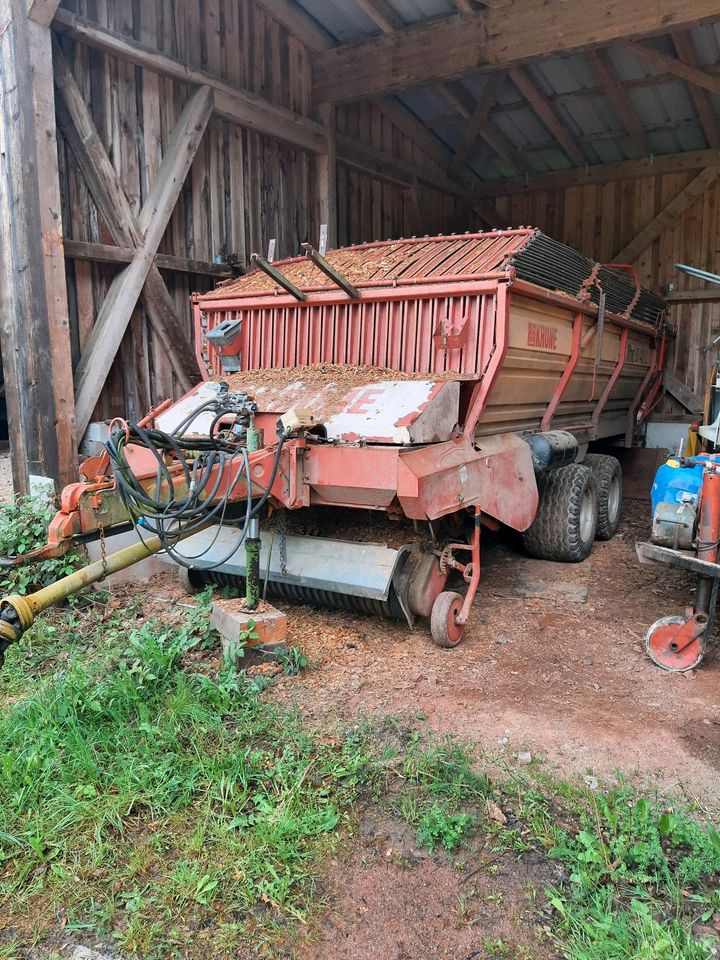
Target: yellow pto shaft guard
18, 613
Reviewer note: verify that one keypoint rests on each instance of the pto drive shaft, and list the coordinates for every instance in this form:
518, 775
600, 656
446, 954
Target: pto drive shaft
18, 613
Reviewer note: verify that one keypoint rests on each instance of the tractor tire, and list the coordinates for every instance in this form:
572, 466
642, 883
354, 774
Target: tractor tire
566, 519
608, 476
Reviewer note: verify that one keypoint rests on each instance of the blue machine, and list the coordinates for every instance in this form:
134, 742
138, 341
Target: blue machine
678, 481
685, 534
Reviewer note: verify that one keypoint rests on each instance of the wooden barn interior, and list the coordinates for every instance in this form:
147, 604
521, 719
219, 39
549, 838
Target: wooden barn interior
147, 149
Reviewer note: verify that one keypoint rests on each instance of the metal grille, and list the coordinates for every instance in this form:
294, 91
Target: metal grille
555, 266
399, 334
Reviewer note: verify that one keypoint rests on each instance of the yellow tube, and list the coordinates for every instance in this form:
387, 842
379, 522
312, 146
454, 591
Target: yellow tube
18, 613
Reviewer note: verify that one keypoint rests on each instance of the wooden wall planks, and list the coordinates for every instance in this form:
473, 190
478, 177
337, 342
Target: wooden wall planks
243, 188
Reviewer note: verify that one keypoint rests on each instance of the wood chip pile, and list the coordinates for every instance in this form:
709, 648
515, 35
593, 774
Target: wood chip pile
322, 386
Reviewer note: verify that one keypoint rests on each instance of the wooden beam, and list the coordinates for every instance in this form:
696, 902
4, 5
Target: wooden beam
381, 14
385, 17
492, 135
694, 75
106, 253
376, 163
486, 210
492, 39
601, 173
694, 296
409, 125
42, 11
458, 96
238, 106
34, 322
477, 122
104, 186
329, 270
683, 394
302, 26
413, 212
685, 46
298, 23
573, 97
537, 100
278, 277
677, 206
618, 97
326, 169
122, 297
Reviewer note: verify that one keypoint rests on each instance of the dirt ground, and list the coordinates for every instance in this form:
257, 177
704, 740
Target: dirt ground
390, 901
6, 484
562, 675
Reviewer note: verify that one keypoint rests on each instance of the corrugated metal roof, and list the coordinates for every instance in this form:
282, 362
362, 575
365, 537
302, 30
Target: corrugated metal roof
663, 103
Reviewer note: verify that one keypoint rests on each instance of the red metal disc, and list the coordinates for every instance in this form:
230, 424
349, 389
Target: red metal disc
661, 645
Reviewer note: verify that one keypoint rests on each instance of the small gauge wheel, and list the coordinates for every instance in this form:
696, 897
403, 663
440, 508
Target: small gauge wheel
446, 631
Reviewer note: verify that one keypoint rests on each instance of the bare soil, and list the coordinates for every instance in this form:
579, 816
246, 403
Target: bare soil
390, 901
553, 662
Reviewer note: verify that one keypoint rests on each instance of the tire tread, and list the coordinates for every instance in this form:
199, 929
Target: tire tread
604, 468
555, 532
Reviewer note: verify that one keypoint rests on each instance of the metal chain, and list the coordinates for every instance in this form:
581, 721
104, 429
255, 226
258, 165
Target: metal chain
282, 530
103, 551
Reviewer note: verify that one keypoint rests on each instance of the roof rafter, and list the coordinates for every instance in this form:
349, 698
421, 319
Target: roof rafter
487, 40
381, 14
693, 75
302, 26
477, 125
537, 100
298, 23
685, 46
601, 173
492, 135
620, 100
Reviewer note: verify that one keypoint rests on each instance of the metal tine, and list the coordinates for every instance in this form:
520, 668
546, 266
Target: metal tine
278, 277
330, 271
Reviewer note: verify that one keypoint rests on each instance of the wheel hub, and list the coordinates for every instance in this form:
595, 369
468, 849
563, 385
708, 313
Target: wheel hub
587, 515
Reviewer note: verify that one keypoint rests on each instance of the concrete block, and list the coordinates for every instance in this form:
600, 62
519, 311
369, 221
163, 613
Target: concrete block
231, 621
41, 488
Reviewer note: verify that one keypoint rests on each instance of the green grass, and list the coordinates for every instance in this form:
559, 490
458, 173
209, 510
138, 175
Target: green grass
639, 875
137, 797
159, 807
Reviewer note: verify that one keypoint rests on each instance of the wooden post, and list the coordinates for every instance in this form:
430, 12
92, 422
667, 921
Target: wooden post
327, 176
33, 295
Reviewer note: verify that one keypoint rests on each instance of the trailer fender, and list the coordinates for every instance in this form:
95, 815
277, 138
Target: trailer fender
496, 473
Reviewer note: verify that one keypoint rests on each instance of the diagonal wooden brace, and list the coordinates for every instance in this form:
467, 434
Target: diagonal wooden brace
143, 233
